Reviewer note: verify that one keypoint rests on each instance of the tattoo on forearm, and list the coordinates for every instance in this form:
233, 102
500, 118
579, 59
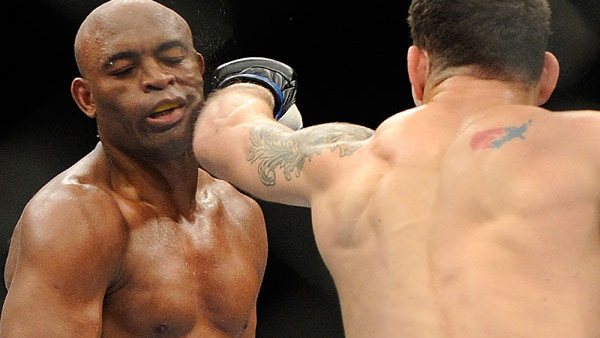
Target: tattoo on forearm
278, 148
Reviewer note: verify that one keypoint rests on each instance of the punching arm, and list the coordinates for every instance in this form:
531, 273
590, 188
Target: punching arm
238, 139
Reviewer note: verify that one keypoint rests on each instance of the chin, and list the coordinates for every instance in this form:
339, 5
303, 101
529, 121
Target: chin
175, 149
165, 148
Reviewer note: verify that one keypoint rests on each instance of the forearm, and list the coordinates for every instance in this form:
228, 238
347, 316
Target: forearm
221, 137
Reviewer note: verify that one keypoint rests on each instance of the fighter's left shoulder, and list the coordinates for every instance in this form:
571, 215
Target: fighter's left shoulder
581, 130
582, 122
226, 193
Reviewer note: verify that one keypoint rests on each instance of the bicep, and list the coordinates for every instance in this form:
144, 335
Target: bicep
60, 276
37, 307
296, 164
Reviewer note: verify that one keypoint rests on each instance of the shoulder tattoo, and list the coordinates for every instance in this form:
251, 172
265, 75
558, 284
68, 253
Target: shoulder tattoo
497, 137
273, 147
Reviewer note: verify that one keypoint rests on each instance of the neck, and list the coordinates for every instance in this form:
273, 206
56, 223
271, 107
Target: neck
471, 91
169, 185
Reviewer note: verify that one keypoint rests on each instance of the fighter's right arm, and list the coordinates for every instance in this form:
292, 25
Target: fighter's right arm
238, 140
63, 256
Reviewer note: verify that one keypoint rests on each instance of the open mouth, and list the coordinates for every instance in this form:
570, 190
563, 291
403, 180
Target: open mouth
164, 109
166, 115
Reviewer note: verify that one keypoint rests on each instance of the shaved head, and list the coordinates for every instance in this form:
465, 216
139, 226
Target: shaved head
118, 16
132, 55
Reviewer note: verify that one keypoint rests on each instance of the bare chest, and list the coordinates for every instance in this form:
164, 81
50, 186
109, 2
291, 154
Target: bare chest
195, 278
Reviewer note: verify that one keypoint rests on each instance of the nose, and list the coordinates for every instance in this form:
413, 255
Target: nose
154, 77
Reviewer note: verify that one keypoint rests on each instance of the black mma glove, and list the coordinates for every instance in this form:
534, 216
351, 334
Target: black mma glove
276, 76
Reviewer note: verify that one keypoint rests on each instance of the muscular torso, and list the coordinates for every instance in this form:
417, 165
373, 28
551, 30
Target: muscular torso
171, 276
196, 278
429, 231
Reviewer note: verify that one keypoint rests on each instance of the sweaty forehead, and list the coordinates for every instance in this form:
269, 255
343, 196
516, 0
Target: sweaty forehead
134, 13
128, 24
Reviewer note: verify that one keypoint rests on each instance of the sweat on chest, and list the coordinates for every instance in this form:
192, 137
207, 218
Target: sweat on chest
178, 274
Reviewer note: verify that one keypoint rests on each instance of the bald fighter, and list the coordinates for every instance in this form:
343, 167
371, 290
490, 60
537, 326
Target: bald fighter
134, 240
475, 214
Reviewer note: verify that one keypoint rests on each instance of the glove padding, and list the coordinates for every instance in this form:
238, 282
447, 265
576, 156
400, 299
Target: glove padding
276, 76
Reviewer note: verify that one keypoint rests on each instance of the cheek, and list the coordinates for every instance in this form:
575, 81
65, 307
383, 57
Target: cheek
192, 76
116, 114
117, 97
113, 108
194, 81
194, 84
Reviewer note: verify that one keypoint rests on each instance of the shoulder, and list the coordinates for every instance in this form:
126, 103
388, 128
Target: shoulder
588, 120
218, 188
70, 198
226, 194
582, 130
401, 126
69, 225
580, 127
567, 139
79, 194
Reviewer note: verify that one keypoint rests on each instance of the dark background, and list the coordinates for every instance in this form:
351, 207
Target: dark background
350, 60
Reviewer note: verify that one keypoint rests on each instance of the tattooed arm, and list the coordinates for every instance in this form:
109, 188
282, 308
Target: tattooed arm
236, 139
275, 148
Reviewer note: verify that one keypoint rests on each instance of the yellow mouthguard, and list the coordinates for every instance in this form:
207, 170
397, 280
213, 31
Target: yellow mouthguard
166, 106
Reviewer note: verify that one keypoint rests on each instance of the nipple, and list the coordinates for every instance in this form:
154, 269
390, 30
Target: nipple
163, 328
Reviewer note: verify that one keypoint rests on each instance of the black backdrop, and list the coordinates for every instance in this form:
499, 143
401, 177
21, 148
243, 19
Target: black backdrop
351, 65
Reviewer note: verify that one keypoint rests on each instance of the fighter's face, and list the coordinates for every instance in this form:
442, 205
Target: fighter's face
146, 80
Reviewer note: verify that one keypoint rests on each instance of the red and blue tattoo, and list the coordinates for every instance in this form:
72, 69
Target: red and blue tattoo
496, 138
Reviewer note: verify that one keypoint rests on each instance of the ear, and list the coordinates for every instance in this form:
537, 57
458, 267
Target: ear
549, 78
417, 63
201, 63
83, 97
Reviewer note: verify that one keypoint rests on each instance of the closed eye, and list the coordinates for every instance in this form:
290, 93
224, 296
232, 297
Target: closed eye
122, 71
172, 61
121, 63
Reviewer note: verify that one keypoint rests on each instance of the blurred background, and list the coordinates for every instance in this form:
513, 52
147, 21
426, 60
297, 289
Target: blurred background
350, 60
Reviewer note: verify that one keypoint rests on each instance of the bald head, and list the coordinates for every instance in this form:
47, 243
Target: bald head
125, 19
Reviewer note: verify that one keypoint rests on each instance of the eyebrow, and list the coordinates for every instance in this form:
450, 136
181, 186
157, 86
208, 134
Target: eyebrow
171, 44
